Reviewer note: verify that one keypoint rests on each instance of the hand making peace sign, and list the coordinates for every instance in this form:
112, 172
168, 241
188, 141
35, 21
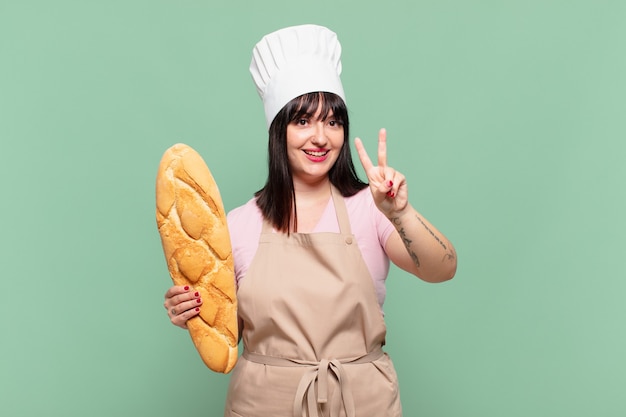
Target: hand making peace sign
388, 186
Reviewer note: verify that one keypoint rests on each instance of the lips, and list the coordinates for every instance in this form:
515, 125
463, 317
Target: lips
317, 155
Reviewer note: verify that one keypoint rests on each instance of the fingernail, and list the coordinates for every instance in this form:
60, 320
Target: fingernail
197, 309
197, 294
391, 194
390, 184
186, 287
198, 300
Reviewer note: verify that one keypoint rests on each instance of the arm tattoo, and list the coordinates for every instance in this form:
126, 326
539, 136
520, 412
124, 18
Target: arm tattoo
449, 253
443, 245
407, 242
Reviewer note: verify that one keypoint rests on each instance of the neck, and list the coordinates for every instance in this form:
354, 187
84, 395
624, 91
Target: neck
311, 192
311, 200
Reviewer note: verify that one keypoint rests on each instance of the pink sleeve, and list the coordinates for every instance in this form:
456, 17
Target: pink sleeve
244, 225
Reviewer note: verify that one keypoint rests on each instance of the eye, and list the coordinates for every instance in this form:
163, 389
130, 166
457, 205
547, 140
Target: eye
302, 122
334, 123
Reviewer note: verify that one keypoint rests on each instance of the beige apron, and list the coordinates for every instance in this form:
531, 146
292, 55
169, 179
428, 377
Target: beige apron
312, 331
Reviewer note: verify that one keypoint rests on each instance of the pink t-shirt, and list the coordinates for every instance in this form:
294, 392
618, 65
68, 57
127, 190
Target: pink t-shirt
369, 226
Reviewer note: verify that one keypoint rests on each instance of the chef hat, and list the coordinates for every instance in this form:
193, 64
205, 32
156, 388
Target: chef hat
294, 61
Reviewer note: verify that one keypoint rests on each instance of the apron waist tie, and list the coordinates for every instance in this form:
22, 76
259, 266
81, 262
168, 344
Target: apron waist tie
319, 371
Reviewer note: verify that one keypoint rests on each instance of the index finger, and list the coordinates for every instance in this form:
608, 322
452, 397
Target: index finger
382, 148
365, 159
175, 290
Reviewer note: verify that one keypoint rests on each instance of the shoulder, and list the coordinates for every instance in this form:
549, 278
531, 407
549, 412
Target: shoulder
244, 225
244, 221
361, 202
243, 213
365, 216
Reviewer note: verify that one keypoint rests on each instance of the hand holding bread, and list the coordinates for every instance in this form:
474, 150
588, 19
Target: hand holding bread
196, 244
182, 303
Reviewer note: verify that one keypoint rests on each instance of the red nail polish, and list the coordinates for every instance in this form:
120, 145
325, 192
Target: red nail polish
197, 294
186, 287
390, 184
197, 309
198, 300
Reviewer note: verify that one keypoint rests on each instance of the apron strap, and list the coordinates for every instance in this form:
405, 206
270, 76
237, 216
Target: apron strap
341, 211
319, 372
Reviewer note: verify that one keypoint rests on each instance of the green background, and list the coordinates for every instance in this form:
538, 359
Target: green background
507, 117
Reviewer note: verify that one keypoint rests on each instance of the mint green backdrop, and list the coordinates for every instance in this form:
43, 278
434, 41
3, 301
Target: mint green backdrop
507, 117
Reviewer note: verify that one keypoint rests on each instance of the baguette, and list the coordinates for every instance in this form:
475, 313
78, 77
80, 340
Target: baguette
194, 234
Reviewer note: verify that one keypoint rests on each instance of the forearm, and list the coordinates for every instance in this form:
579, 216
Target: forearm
431, 256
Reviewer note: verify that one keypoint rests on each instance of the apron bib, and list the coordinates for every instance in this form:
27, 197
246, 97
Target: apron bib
313, 331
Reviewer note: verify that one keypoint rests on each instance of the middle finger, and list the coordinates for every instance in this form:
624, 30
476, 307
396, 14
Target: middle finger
186, 306
382, 148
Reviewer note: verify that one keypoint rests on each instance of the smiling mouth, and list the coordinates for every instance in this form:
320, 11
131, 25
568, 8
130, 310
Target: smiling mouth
317, 154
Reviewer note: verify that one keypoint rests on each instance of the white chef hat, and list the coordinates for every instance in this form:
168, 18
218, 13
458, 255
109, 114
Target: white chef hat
294, 61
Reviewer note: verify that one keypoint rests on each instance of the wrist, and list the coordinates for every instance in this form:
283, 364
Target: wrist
397, 216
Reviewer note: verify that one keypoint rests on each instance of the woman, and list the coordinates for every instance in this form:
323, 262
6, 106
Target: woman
312, 248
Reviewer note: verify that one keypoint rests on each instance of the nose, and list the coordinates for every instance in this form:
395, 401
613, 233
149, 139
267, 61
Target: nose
319, 134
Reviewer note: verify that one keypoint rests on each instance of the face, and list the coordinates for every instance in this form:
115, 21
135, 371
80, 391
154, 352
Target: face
313, 146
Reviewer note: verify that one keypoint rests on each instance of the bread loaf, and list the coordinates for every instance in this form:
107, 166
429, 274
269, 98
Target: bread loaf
192, 224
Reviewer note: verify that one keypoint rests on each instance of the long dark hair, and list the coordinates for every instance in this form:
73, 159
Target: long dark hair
277, 199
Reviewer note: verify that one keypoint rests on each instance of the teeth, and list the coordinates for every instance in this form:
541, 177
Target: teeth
316, 153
